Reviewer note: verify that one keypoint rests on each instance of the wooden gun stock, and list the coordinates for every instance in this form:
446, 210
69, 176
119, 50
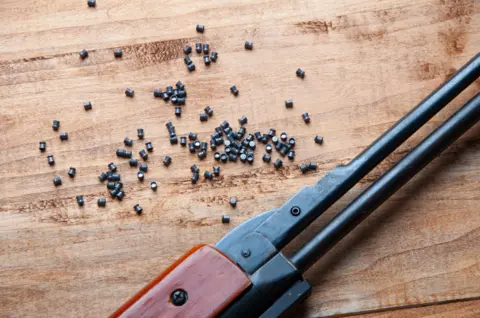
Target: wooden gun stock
210, 280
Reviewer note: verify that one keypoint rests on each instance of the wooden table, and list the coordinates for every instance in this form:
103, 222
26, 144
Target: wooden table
367, 64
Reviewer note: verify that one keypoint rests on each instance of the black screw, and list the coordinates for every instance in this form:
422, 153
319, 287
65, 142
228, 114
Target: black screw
179, 297
246, 253
295, 210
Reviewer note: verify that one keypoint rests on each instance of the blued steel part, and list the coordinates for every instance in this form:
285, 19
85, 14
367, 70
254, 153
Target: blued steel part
389, 183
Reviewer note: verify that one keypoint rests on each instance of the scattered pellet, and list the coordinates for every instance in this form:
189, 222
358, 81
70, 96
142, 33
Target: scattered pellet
113, 177
120, 195
84, 53
101, 202
42, 146
91, 3
110, 185
318, 140
102, 177
200, 28
157, 93
214, 56
243, 120
202, 154
300, 73
187, 49
187, 60
291, 142
180, 85
173, 140
278, 164
306, 118
191, 147
143, 167
206, 49
140, 175
56, 125
153, 185
149, 146
234, 90
167, 161
80, 200
133, 162
216, 170
122, 153
72, 172
289, 103
191, 67
209, 111
143, 154
198, 47
248, 45
138, 209
183, 141
57, 181
291, 154
195, 178
267, 158
140, 133
225, 219
224, 158
283, 136
117, 53
233, 202
208, 175
64, 136
129, 92
243, 157
312, 166
203, 117
112, 167
87, 105
250, 159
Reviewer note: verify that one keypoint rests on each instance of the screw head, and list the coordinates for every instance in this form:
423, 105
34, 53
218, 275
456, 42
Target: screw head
295, 210
179, 297
246, 253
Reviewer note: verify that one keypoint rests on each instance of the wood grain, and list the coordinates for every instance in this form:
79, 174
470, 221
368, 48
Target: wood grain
367, 63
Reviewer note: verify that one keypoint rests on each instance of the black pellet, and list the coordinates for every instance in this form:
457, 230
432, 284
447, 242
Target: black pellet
258, 135
250, 137
112, 167
234, 151
191, 147
133, 162
143, 154
180, 85
42, 146
234, 90
233, 202
102, 177
92, 3
289, 103
198, 47
197, 144
140, 133
208, 175
56, 125
279, 146
175, 92
157, 93
84, 53
129, 92
117, 52
291, 154
312, 166
173, 140
275, 140
143, 167
149, 146
57, 181
291, 142
278, 164
219, 141
224, 125
304, 168
204, 146
195, 178
245, 142
283, 136
169, 90
232, 157
224, 158
209, 111
227, 130
200, 28
248, 45
102, 202
187, 60
300, 73
242, 131
72, 172
192, 136
170, 128
243, 157
202, 154
236, 144
120, 195
191, 67
306, 118
118, 186
183, 141
167, 161
252, 145
214, 56
128, 142
138, 209
80, 200
243, 150
64, 136
187, 49
318, 140
214, 136
114, 177
113, 193
122, 153
250, 159
194, 169
87, 105
206, 49
216, 170
250, 154
110, 185
203, 117
153, 185
140, 175
243, 120
272, 132
266, 158
165, 96
227, 143
216, 156
227, 150
225, 219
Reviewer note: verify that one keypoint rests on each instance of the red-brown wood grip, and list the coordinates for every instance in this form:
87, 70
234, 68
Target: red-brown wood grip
210, 279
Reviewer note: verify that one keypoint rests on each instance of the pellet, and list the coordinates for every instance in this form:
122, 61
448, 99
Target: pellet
102, 177
203, 117
232, 157
92, 3
56, 125
291, 142
129, 92
304, 168
57, 181
191, 147
312, 166
110, 185
216, 170
283, 136
140, 133
318, 140
87, 106
114, 177
306, 118
202, 154
213, 144
243, 157
248, 45
120, 195
183, 141
80, 200
191, 67
167, 161
187, 49
173, 140
214, 56
198, 47
101, 202
291, 154
143, 167
234, 90
192, 136
225, 219
233, 202
149, 146
266, 158
64, 136
300, 73
117, 53
84, 53
187, 60
112, 167
195, 178
208, 175
143, 154
206, 49
209, 111
180, 85
122, 153
224, 158
216, 156
278, 164
242, 120
219, 141
194, 169
153, 185
140, 175
128, 142
250, 159
289, 103
72, 172
138, 209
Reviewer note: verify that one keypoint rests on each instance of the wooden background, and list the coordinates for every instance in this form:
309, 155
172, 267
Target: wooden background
367, 63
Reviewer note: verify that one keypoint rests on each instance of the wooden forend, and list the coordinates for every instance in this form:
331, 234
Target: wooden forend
211, 280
